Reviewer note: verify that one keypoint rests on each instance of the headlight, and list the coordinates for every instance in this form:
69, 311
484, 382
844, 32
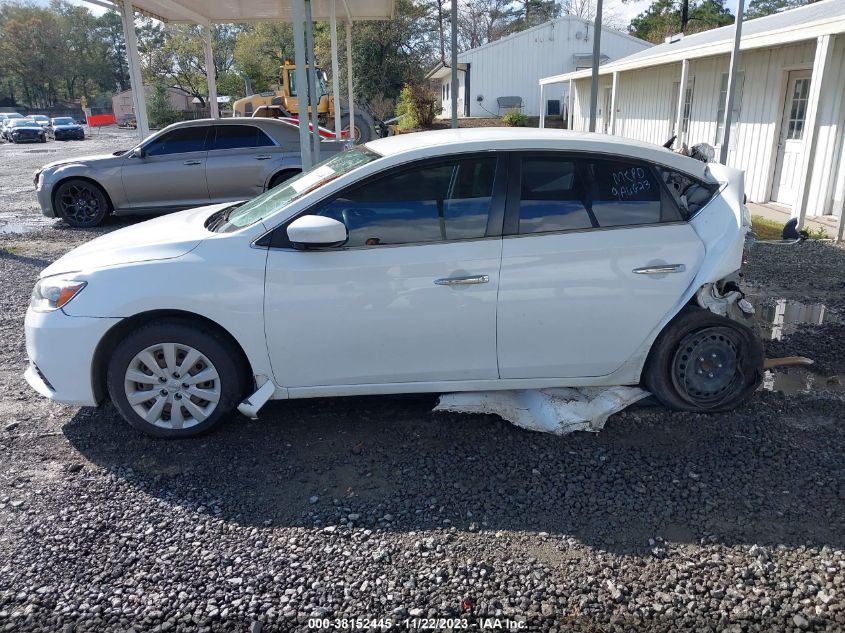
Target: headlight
53, 293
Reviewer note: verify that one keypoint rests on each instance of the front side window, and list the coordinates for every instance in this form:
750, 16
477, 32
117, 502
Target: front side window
179, 141
444, 201
239, 137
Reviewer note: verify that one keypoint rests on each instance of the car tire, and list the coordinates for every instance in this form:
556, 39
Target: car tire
281, 177
704, 362
207, 350
81, 203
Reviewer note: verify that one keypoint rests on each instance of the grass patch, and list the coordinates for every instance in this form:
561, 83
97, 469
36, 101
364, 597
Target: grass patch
766, 229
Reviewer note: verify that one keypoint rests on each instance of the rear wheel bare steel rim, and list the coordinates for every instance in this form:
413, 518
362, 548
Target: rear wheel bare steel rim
705, 369
79, 202
172, 386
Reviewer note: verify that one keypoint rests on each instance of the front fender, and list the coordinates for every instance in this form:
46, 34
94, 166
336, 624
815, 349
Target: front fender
109, 178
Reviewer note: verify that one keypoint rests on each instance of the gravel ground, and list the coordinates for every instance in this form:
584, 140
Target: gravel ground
377, 508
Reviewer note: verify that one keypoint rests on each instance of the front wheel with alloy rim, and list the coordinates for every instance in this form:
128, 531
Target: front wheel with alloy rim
169, 379
81, 203
704, 362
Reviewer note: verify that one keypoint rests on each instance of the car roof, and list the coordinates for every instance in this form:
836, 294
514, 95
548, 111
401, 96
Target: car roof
419, 144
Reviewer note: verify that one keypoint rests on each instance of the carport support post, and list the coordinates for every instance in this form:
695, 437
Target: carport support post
139, 99
594, 81
350, 87
210, 72
301, 82
570, 106
335, 76
682, 97
821, 72
454, 64
312, 84
542, 109
729, 101
612, 114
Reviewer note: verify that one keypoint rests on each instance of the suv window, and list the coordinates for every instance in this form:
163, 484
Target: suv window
552, 196
436, 202
625, 193
185, 139
239, 136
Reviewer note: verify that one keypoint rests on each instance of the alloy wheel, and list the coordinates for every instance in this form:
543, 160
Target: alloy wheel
80, 203
172, 386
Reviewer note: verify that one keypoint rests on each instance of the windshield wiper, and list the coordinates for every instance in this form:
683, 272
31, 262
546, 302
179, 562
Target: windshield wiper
218, 219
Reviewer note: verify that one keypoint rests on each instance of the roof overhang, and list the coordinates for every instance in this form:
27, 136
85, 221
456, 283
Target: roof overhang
443, 71
766, 39
236, 11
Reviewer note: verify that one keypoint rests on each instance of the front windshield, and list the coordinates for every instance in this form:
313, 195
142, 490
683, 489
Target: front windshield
271, 201
40, 117
23, 123
63, 121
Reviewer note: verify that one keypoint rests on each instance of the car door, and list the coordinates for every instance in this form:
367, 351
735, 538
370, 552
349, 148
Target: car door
171, 174
410, 297
240, 160
581, 287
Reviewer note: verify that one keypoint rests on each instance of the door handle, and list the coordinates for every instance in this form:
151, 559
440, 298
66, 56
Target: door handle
263, 157
659, 269
192, 162
463, 281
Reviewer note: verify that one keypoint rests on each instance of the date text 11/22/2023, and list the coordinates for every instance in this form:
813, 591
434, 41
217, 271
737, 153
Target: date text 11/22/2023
417, 624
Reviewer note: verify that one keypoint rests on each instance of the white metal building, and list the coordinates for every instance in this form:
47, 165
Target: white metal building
789, 106
512, 65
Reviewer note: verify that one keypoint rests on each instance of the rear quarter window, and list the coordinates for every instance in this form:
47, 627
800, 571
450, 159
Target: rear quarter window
690, 194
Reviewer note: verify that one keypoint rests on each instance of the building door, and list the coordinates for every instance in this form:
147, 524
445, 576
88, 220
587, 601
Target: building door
791, 141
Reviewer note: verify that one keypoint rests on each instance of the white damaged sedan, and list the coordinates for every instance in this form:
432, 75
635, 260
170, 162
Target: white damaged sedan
468, 260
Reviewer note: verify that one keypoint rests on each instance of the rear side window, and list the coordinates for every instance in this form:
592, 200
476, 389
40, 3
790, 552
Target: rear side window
185, 139
552, 196
625, 193
566, 193
688, 193
239, 137
430, 203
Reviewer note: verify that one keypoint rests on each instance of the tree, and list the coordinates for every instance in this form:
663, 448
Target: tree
664, 18
159, 110
483, 21
761, 8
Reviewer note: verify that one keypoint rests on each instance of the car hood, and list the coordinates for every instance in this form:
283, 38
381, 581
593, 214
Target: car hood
84, 160
165, 237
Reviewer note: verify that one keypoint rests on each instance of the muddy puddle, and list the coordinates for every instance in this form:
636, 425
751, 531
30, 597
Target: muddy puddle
11, 225
779, 317
801, 380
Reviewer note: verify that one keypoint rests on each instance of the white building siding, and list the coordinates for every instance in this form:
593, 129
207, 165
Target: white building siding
513, 65
647, 104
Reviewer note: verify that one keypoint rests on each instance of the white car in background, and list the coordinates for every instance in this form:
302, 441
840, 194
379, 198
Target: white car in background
434, 262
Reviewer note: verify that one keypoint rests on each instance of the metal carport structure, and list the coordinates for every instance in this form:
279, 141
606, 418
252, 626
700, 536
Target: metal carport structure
207, 12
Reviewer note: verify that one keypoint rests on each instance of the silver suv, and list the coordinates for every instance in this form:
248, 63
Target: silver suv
188, 164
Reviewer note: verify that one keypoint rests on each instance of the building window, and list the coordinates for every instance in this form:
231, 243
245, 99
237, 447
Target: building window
723, 98
798, 109
687, 105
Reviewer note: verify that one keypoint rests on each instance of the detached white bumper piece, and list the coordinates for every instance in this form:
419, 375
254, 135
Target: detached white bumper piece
558, 411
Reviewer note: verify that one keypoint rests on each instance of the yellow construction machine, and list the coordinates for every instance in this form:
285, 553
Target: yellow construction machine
284, 102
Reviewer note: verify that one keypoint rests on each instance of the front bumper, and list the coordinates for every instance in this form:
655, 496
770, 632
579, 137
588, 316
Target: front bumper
61, 355
64, 136
45, 197
34, 138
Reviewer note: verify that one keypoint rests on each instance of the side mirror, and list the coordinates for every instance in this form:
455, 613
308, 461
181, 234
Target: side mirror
139, 152
317, 231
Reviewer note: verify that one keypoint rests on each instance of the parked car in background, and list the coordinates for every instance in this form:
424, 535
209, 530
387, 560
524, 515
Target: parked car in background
458, 260
184, 165
65, 128
40, 119
25, 131
8, 117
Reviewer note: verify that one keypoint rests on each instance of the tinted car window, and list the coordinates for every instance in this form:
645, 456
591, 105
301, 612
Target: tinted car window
444, 201
552, 196
186, 139
239, 136
625, 193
